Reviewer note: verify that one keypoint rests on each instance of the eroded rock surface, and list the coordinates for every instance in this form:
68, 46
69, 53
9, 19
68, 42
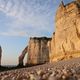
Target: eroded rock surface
65, 42
21, 57
67, 34
38, 50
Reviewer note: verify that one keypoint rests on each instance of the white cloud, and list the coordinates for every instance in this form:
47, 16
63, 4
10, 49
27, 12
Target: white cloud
29, 16
22, 34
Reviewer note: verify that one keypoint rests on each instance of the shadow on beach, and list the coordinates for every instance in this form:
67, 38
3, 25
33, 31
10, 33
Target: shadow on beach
6, 68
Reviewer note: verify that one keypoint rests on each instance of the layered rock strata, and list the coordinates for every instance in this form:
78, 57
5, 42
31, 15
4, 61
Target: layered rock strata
67, 34
65, 42
38, 50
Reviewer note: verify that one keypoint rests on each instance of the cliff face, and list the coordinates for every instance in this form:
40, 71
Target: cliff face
38, 50
52, 48
78, 1
67, 34
65, 42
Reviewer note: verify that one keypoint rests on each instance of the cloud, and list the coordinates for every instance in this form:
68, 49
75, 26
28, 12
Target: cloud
28, 17
11, 33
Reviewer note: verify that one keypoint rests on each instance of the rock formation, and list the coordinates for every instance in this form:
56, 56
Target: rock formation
21, 57
65, 42
67, 34
52, 48
38, 50
0, 54
78, 1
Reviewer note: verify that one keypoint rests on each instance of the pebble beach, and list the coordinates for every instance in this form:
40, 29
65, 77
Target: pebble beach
62, 70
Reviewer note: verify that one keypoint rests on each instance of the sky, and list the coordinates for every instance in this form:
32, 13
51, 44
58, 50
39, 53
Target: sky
22, 19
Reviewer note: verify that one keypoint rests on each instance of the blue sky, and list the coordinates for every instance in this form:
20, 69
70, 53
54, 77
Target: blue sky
21, 19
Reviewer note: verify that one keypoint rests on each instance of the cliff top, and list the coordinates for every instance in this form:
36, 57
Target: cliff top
67, 9
70, 4
40, 38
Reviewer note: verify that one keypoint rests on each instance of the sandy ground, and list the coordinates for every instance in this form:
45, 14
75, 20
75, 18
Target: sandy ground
62, 70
